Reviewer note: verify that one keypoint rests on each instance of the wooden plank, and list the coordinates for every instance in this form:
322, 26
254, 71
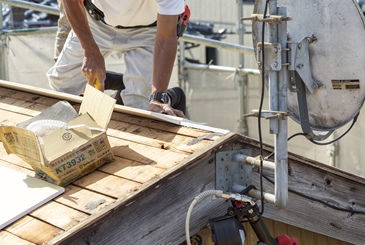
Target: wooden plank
167, 127
135, 133
59, 215
83, 200
107, 184
156, 138
131, 170
36, 100
144, 153
6, 238
33, 230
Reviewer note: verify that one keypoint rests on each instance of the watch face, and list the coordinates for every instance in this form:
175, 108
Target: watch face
160, 96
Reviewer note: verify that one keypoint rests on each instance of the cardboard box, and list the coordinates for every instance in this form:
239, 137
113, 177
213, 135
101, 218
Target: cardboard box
71, 151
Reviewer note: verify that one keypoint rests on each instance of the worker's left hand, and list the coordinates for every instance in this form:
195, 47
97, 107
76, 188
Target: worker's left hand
165, 109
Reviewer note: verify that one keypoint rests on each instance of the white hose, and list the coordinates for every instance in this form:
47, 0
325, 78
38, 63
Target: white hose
195, 201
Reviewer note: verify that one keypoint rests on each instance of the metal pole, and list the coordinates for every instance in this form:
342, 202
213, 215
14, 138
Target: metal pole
28, 31
2, 47
273, 75
281, 142
242, 79
244, 71
34, 6
216, 44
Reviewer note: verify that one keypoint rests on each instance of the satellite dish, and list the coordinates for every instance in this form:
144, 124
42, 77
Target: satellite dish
336, 57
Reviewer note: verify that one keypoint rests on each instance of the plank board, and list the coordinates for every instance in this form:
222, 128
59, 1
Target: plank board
22, 194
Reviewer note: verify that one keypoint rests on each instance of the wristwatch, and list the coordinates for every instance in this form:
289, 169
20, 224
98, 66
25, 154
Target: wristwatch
163, 97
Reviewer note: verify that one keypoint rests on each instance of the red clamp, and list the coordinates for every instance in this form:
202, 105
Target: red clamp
285, 240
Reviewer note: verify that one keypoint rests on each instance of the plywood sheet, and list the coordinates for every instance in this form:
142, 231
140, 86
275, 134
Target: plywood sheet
21, 194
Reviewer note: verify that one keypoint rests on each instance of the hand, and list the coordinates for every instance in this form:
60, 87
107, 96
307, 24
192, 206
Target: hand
93, 67
159, 107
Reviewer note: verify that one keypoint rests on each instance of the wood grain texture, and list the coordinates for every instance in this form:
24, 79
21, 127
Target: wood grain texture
59, 215
107, 184
33, 230
6, 238
131, 170
84, 200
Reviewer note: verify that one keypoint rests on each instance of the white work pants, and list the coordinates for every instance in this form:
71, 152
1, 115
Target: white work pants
137, 44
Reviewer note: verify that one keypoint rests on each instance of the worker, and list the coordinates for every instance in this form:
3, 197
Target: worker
145, 31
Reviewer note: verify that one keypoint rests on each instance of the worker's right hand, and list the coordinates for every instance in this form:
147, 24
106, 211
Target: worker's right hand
93, 67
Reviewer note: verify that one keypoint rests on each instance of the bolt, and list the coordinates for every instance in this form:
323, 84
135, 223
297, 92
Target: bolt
91, 12
250, 211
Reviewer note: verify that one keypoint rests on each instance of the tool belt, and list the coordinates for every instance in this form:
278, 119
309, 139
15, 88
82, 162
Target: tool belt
98, 15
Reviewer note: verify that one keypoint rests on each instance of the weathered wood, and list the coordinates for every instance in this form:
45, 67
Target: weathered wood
107, 184
325, 183
33, 230
131, 170
83, 200
144, 153
145, 191
59, 215
6, 238
160, 209
15, 98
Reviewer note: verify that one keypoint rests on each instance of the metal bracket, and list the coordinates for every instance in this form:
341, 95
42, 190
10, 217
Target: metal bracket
269, 114
229, 172
271, 19
272, 56
303, 110
299, 62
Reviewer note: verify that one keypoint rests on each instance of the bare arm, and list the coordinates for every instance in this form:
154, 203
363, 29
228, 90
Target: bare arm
93, 66
163, 60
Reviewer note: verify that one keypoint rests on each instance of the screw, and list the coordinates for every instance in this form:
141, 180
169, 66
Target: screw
259, 49
300, 66
314, 86
259, 63
227, 168
275, 50
299, 46
275, 64
299, 90
250, 211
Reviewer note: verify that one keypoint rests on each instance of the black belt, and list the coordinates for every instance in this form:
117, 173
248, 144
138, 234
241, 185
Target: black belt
98, 15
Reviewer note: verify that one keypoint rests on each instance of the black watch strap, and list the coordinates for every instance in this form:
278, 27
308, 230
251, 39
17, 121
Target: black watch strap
163, 97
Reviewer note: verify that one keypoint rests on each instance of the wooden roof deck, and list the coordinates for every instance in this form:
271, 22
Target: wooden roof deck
142, 197
145, 149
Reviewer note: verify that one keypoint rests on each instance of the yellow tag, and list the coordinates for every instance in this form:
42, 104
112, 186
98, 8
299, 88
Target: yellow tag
96, 83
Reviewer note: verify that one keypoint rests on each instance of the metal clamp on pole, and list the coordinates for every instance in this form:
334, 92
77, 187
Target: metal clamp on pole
271, 19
